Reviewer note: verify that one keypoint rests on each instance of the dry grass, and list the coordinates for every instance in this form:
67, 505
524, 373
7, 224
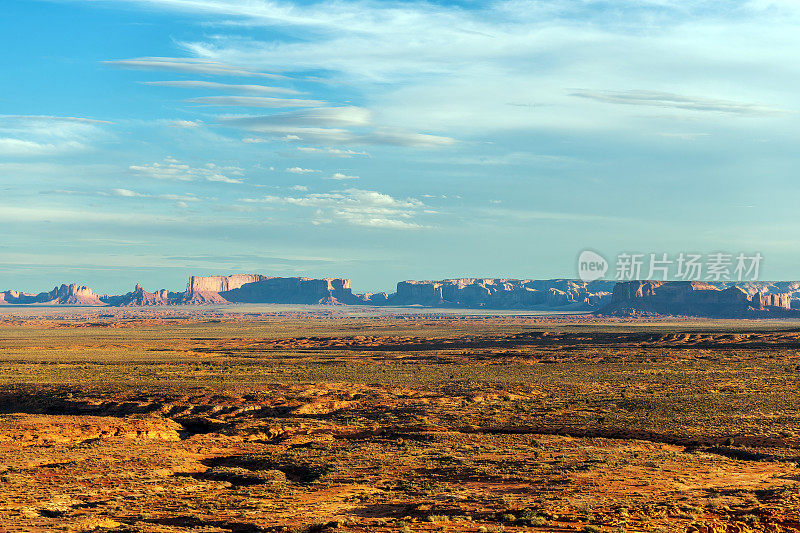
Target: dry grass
392, 423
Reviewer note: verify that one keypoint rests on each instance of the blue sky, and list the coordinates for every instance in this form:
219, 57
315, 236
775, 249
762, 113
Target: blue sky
147, 140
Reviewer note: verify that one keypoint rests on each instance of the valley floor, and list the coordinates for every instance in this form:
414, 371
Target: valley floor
397, 423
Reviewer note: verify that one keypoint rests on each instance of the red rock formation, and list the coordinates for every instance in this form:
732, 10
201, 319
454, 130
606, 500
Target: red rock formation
200, 298
140, 297
64, 295
221, 283
691, 298
775, 300
294, 290
501, 293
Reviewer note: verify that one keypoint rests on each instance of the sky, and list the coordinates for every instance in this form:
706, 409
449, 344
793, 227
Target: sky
143, 141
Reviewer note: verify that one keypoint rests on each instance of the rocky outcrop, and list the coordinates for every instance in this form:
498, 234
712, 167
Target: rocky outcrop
75, 295
72, 294
373, 298
221, 283
328, 291
140, 298
255, 288
693, 298
628, 298
782, 301
502, 293
200, 298
47, 430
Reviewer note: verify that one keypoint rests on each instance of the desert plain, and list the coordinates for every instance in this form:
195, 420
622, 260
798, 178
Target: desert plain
316, 420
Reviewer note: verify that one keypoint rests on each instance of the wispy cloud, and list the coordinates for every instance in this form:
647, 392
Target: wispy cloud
300, 170
52, 118
195, 84
457, 76
340, 176
677, 101
323, 117
127, 193
188, 124
44, 135
253, 101
189, 65
182, 200
332, 126
20, 147
331, 152
172, 169
355, 207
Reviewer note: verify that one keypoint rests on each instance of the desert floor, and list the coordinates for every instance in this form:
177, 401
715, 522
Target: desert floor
304, 422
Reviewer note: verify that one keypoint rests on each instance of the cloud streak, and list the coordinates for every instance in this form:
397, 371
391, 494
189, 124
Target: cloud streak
340, 176
299, 170
332, 126
321, 117
216, 86
253, 101
127, 193
52, 118
45, 136
173, 170
676, 101
189, 65
331, 152
354, 207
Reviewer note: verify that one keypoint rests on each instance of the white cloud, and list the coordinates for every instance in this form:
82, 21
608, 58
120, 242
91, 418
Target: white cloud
331, 152
346, 137
355, 207
44, 135
301, 188
126, 192
677, 101
221, 178
300, 170
52, 118
172, 169
180, 198
332, 125
401, 138
465, 66
253, 101
340, 176
321, 117
19, 147
196, 84
190, 65
186, 123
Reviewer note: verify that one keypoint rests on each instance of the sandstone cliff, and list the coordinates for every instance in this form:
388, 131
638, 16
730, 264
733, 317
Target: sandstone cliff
200, 298
140, 297
72, 294
628, 298
221, 283
502, 293
692, 298
293, 291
